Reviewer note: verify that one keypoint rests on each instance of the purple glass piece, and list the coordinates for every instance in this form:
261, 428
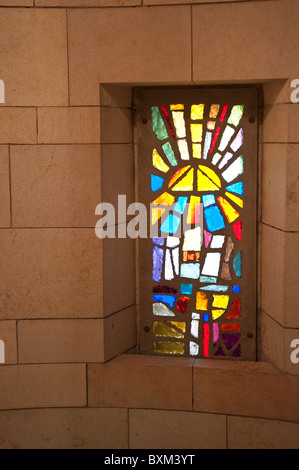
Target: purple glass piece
158, 241
230, 339
220, 351
237, 352
238, 141
157, 263
164, 290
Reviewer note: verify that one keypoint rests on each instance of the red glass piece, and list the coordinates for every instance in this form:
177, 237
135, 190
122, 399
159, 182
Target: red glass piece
206, 338
182, 304
164, 111
231, 327
223, 112
214, 139
238, 229
235, 311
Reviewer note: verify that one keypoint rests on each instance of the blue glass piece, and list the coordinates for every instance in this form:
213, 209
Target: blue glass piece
214, 219
156, 182
237, 264
168, 299
180, 205
208, 279
186, 288
190, 270
205, 317
208, 200
171, 224
236, 289
157, 263
215, 288
158, 241
236, 188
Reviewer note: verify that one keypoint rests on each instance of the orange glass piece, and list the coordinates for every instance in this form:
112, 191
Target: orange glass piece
177, 175
230, 213
201, 301
156, 214
165, 198
193, 216
214, 111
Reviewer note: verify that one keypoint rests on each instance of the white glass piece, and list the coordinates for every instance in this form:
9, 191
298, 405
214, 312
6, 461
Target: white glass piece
168, 267
194, 348
216, 158
183, 148
175, 259
211, 264
192, 239
172, 242
161, 309
234, 170
226, 136
217, 241
207, 145
195, 316
225, 159
179, 124
194, 328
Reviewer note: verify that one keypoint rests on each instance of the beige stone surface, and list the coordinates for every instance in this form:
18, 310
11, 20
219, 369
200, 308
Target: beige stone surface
116, 96
280, 123
253, 433
8, 334
161, 429
87, 3
55, 185
156, 48
120, 333
245, 389
141, 382
116, 125
279, 275
46, 341
16, 3
4, 187
245, 40
281, 186
69, 125
17, 125
55, 273
117, 173
33, 56
119, 285
42, 386
272, 340
277, 91
67, 428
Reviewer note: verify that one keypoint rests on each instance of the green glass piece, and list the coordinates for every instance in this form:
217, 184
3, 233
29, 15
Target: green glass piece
158, 124
236, 114
169, 153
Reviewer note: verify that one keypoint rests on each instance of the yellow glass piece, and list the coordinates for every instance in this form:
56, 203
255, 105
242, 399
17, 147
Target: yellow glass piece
156, 214
201, 301
217, 313
196, 132
196, 150
179, 124
197, 111
167, 347
204, 183
229, 211
159, 163
211, 174
220, 301
186, 183
176, 107
165, 198
177, 174
211, 125
193, 216
172, 329
214, 110
235, 198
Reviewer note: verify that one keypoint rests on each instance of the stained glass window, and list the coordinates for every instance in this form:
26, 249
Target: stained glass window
197, 173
